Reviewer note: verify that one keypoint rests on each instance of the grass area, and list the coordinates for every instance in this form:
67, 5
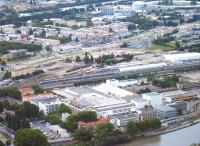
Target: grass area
167, 47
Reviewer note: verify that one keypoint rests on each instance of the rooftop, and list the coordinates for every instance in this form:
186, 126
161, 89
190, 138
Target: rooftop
165, 108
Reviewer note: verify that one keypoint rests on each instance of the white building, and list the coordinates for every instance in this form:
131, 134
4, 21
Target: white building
166, 114
48, 106
123, 119
153, 98
107, 10
139, 103
182, 57
57, 129
47, 103
121, 83
85, 98
141, 67
169, 96
112, 90
64, 116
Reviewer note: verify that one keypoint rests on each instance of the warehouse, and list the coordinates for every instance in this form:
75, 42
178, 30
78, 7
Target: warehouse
142, 67
182, 57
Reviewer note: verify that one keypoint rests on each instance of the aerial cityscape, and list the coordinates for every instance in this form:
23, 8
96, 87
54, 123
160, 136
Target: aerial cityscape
99, 73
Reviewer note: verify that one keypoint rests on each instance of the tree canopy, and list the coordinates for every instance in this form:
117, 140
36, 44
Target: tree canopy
64, 109
25, 137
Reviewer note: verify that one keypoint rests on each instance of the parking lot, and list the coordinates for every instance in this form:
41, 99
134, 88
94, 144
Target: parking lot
43, 126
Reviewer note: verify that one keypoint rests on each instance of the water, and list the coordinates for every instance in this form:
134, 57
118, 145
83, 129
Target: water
183, 137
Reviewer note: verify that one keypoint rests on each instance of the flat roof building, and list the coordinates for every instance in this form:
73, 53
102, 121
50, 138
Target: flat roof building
166, 113
85, 98
123, 119
182, 57
153, 98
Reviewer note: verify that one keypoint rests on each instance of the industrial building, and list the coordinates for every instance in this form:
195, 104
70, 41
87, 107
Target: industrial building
123, 119
48, 106
107, 10
141, 67
153, 98
95, 99
112, 90
47, 103
139, 103
166, 113
182, 57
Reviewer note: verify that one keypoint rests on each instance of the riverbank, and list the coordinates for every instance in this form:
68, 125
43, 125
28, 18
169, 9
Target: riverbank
182, 137
159, 133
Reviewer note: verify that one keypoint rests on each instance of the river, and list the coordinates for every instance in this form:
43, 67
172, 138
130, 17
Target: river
183, 137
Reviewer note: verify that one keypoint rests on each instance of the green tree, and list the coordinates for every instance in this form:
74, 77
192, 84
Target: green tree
2, 144
177, 44
3, 62
71, 123
10, 92
25, 137
64, 109
87, 116
131, 128
83, 134
1, 106
7, 75
53, 118
37, 89
104, 129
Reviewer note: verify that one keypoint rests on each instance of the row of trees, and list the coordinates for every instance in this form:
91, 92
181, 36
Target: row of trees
10, 92
140, 22
35, 73
106, 134
168, 81
64, 39
5, 46
112, 59
86, 116
134, 128
37, 89
163, 40
31, 137
22, 115
103, 135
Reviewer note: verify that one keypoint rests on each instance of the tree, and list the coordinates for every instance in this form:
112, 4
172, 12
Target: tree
87, 116
64, 109
193, 2
25, 137
71, 123
105, 129
3, 62
82, 134
2, 144
177, 44
37, 89
131, 128
7, 75
86, 58
1, 106
28, 110
78, 59
53, 118
10, 92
